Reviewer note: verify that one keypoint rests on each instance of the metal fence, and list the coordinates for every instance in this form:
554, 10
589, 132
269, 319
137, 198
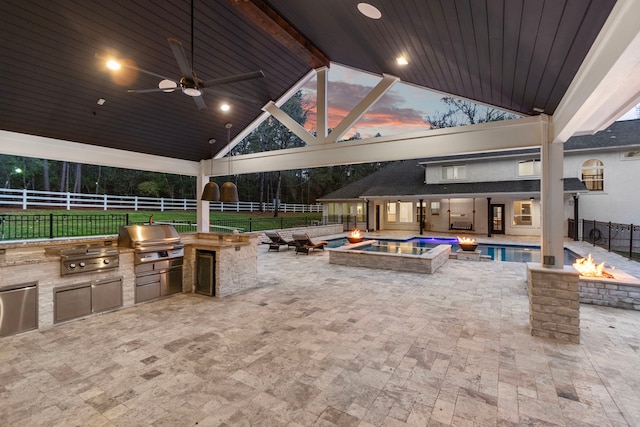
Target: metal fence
620, 238
49, 226
26, 199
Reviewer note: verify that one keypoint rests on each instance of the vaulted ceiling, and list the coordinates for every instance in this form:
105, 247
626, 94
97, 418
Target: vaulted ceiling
519, 55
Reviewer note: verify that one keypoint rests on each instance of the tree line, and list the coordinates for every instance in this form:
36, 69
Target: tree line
289, 186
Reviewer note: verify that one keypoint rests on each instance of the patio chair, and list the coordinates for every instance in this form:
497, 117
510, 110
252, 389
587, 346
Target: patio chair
277, 240
304, 244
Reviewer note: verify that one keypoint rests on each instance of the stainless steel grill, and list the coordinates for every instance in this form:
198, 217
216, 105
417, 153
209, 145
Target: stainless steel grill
151, 242
158, 259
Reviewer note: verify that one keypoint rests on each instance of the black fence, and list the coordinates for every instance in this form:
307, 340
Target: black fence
49, 226
22, 227
623, 239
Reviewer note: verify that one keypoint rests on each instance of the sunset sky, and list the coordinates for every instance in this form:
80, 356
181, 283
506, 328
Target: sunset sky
402, 109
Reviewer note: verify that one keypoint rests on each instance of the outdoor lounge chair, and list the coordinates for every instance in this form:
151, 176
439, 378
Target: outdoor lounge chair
277, 240
304, 244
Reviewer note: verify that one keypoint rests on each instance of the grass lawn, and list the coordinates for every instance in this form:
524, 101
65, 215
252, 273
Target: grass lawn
31, 224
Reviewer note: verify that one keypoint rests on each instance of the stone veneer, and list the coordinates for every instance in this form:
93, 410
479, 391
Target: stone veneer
427, 263
554, 306
623, 291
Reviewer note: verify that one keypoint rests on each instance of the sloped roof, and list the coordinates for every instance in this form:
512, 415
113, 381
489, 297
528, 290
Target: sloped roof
406, 178
518, 55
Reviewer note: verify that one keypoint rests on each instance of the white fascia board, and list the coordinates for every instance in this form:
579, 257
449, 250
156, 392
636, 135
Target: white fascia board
20, 144
607, 84
485, 137
262, 117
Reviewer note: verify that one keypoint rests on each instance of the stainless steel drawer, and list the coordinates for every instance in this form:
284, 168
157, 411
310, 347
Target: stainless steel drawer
72, 301
147, 292
106, 295
18, 308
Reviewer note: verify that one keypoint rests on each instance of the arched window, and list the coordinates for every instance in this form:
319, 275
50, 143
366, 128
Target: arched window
593, 175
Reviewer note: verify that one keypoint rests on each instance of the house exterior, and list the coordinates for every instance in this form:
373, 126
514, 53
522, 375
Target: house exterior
498, 192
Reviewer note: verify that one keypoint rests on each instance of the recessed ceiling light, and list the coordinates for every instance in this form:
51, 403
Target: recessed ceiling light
225, 107
369, 11
538, 110
101, 101
401, 60
112, 64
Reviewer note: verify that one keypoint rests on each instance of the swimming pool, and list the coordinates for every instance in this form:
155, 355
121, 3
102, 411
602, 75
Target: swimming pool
420, 245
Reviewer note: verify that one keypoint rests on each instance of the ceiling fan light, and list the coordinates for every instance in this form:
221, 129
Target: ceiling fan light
211, 192
167, 85
192, 91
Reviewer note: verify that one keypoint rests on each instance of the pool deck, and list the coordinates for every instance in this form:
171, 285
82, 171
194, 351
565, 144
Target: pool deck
324, 345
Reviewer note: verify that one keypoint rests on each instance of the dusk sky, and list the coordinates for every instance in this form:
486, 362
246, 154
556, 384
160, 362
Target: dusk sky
402, 109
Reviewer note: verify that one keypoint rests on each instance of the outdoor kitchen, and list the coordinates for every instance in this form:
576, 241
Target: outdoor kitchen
46, 282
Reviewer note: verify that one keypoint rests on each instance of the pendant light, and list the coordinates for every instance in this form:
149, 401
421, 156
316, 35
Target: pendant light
211, 192
229, 191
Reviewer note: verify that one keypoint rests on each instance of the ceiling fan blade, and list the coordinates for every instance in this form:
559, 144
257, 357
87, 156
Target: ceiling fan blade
233, 79
199, 100
149, 90
181, 57
151, 73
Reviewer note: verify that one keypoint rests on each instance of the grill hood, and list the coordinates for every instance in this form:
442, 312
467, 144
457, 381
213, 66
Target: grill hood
139, 236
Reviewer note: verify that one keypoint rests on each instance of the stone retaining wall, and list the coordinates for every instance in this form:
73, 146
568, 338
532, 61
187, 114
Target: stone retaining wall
313, 231
621, 292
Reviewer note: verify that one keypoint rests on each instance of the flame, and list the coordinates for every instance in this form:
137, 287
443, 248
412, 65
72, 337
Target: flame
466, 240
355, 233
588, 268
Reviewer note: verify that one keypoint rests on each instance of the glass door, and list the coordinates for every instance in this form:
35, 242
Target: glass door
497, 215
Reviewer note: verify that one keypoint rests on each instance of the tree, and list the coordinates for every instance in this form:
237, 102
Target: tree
460, 112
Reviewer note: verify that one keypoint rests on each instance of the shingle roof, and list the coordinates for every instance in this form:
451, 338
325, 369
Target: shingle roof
406, 178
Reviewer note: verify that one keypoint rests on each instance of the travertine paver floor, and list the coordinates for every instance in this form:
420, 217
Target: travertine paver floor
318, 344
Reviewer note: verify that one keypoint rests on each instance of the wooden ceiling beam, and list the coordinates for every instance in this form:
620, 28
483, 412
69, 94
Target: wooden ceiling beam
266, 18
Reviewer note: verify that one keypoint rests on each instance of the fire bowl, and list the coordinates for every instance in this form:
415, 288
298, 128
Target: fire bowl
468, 246
354, 239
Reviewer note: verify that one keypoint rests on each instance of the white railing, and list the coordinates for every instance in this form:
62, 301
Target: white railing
50, 199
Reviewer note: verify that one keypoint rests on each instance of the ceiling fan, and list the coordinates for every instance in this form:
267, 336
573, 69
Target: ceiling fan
189, 82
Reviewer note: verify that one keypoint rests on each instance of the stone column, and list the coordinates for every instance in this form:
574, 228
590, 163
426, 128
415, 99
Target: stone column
554, 306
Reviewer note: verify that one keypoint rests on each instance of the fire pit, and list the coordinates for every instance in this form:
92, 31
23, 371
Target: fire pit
588, 268
467, 244
355, 236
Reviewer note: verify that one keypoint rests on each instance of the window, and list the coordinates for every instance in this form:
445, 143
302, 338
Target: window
391, 212
631, 155
529, 167
406, 212
593, 175
454, 172
522, 213
435, 208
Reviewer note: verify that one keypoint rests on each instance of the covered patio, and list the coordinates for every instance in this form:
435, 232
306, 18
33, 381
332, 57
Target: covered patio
342, 347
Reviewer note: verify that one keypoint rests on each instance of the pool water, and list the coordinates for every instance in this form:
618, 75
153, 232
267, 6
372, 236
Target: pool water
417, 246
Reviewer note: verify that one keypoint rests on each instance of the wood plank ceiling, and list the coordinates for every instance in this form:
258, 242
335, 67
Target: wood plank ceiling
519, 55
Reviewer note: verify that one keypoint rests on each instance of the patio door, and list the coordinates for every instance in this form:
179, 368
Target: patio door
497, 219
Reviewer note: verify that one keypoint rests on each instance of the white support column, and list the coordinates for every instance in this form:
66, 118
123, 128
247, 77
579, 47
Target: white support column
552, 201
202, 206
321, 104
